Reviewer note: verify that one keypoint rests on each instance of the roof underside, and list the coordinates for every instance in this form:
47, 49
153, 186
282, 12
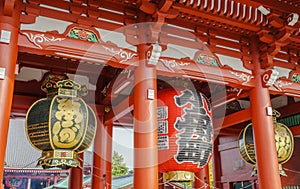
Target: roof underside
223, 27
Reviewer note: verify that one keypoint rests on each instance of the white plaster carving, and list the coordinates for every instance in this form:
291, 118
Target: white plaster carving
38, 39
124, 55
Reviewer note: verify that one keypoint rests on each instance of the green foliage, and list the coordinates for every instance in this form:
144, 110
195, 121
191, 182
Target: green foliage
118, 166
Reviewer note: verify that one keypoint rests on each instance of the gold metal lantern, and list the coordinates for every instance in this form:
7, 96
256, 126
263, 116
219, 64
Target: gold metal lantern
284, 142
61, 125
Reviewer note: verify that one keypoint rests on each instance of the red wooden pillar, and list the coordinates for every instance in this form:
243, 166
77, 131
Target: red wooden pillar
9, 27
266, 155
161, 184
75, 176
145, 124
99, 170
202, 178
109, 143
217, 171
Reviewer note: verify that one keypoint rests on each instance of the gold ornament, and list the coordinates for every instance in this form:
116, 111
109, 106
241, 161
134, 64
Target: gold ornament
61, 125
284, 142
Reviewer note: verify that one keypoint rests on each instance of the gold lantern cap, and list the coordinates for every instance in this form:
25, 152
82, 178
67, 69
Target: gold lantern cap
50, 86
70, 88
60, 85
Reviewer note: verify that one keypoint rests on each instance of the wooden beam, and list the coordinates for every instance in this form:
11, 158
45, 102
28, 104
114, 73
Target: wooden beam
220, 99
245, 115
121, 82
120, 110
295, 130
124, 58
125, 121
59, 64
214, 17
232, 119
115, 56
289, 110
228, 132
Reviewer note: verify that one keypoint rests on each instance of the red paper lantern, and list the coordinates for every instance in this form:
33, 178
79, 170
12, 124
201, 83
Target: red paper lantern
185, 133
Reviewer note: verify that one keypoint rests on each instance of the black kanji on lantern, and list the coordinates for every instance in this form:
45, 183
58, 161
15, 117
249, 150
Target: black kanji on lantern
195, 126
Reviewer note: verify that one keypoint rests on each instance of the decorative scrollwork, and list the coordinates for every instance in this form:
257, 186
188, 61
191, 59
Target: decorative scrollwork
269, 77
234, 90
38, 39
246, 78
172, 64
124, 55
279, 84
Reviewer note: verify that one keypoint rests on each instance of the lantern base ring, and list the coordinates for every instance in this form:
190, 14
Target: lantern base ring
62, 158
178, 176
58, 162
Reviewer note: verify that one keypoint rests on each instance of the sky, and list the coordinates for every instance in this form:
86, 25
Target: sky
123, 144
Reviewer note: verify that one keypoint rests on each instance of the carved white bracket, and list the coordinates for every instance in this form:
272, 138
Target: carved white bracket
263, 10
154, 55
292, 19
269, 77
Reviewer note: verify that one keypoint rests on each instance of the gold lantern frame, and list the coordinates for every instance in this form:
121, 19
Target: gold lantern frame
279, 130
63, 101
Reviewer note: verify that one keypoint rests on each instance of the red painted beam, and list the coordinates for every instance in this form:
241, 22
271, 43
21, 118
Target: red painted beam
245, 115
289, 110
295, 130
111, 55
120, 110
232, 119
